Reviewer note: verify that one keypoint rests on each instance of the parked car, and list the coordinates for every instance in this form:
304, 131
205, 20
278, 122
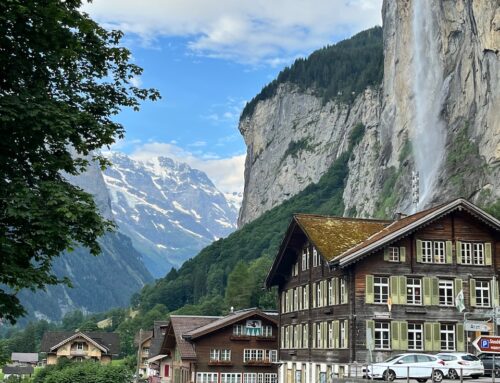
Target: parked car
487, 360
462, 363
417, 366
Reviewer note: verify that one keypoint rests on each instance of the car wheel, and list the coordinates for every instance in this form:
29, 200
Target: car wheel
421, 380
452, 374
437, 376
389, 375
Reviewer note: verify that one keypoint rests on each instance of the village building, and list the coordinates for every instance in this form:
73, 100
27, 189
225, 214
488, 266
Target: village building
17, 370
359, 290
143, 342
24, 358
79, 346
241, 347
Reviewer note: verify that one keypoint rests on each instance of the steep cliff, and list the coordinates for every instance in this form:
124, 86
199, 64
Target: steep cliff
436, 112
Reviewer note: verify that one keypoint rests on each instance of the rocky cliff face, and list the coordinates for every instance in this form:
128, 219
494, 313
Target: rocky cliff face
436, 112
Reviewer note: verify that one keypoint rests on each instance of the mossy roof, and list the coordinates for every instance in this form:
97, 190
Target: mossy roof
332, 236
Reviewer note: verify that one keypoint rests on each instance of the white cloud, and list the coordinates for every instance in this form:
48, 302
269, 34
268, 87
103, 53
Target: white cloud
226, 173
249, 31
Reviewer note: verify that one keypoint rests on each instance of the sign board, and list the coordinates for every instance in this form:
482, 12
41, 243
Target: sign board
476, 326
488, 344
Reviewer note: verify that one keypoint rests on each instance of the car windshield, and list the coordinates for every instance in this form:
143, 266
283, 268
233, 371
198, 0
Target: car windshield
391, 358
469, 357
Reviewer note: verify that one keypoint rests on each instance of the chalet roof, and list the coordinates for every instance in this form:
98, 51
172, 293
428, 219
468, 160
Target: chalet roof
109, 341
229, 320
24, 357
157, 338
17, 369
409, 224
145, 335
330, 235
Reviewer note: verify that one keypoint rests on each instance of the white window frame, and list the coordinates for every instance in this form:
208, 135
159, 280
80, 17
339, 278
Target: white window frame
381, 289
305, 259
382, 342
330, 334
270, 378
393, 254
439, 250
343, 287
225, 355
478, 253
79, 346
446, 292
483, 293
415, 329
342, 334
230, 377
466, 253
305, 335
214, 354
447, 337
267, 331
239, 329
319, 300
250, 377
207, 377
412, 297
305, 292
427, 253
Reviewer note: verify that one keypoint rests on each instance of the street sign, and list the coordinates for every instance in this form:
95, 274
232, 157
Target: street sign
476, 326
488, 344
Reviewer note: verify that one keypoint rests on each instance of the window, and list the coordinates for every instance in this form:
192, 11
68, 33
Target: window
319, 339
414, 291
382, 336
343, 334
415, 336
330, 335
393, 254
447, 337
427, 251
295, 299
207, 377
483, 293
239, 329
445, 293
271, 378
230, 378
272, 355
478, 253
343, 291
305, 335
330, 292
305, 259
381, 289
250, 377
466, 251
225, 355
214, 354
267, 331
305, 292
439, 252
319, 296
253, 354
316, 258
79, 346
295, 269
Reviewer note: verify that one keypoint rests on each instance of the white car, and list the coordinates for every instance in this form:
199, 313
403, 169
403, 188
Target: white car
462, 363
418, 366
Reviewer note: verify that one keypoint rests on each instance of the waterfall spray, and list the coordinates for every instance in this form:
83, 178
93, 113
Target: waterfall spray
428, 132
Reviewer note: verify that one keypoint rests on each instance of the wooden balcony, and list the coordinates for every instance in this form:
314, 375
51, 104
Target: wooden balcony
221, 363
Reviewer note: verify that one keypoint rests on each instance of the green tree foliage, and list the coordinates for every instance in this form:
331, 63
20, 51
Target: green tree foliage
63, 79
83, 372
339, 72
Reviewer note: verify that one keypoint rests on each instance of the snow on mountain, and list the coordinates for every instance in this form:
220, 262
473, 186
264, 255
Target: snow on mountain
170, 210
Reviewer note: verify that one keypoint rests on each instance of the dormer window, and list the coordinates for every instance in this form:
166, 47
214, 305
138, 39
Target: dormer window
79, 346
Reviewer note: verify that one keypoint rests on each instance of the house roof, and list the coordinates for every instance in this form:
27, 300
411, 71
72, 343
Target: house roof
145, 335
407, 225
182, 324
157, 338
331, 236
24, 357
229, 320
109, 342
17, 370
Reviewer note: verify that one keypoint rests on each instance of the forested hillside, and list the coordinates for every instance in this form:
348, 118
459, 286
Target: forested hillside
339, 71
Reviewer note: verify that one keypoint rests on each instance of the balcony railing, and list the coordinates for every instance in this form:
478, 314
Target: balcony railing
78, 352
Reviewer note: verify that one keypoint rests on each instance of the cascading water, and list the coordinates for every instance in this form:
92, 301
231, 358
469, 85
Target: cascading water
428, 131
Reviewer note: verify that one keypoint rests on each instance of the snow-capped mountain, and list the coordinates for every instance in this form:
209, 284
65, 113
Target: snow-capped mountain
170, 210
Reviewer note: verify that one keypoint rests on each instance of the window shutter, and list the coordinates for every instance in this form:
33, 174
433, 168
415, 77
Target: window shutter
428, 337
393, 285
435, 291
336, 289
395, 335
346, 342
460, 337
336, 334
324, 290
314, 332
370, 332
386, 254
324, 343
496, 301
403, 335
369, 298
449, 257
426, 281
419, 250
306, 302
346, 292
487, 253
402, 290
402, 254
436, 332
472, 291
458, 252
314, 295
458, 286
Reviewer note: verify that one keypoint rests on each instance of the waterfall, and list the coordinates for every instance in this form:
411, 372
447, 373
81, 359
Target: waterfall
428, 131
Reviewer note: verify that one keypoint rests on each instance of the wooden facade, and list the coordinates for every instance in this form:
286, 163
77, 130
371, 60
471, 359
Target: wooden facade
395, 291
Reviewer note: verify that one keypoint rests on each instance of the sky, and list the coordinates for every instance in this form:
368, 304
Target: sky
208, 58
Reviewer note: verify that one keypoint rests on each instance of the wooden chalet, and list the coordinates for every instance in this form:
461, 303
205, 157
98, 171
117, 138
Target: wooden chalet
143, 341
240, 347
359, 290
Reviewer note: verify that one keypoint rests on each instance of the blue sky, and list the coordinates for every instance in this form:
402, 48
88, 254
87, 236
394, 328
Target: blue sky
207, 58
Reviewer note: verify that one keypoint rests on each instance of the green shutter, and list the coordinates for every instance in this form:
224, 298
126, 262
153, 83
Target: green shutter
386, 254
314, 294
369, 295
324, 292
458, 286
436, 332
435, 291
458, 252
346, 291
487, 253
496, 301
336, 291
403, 335
449, 256
426, 281
336, 333
402, 290
370, 329
419, 250
460, 337
472, 291
346, 333
402, 254
428, 337
393, 285
395, 335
